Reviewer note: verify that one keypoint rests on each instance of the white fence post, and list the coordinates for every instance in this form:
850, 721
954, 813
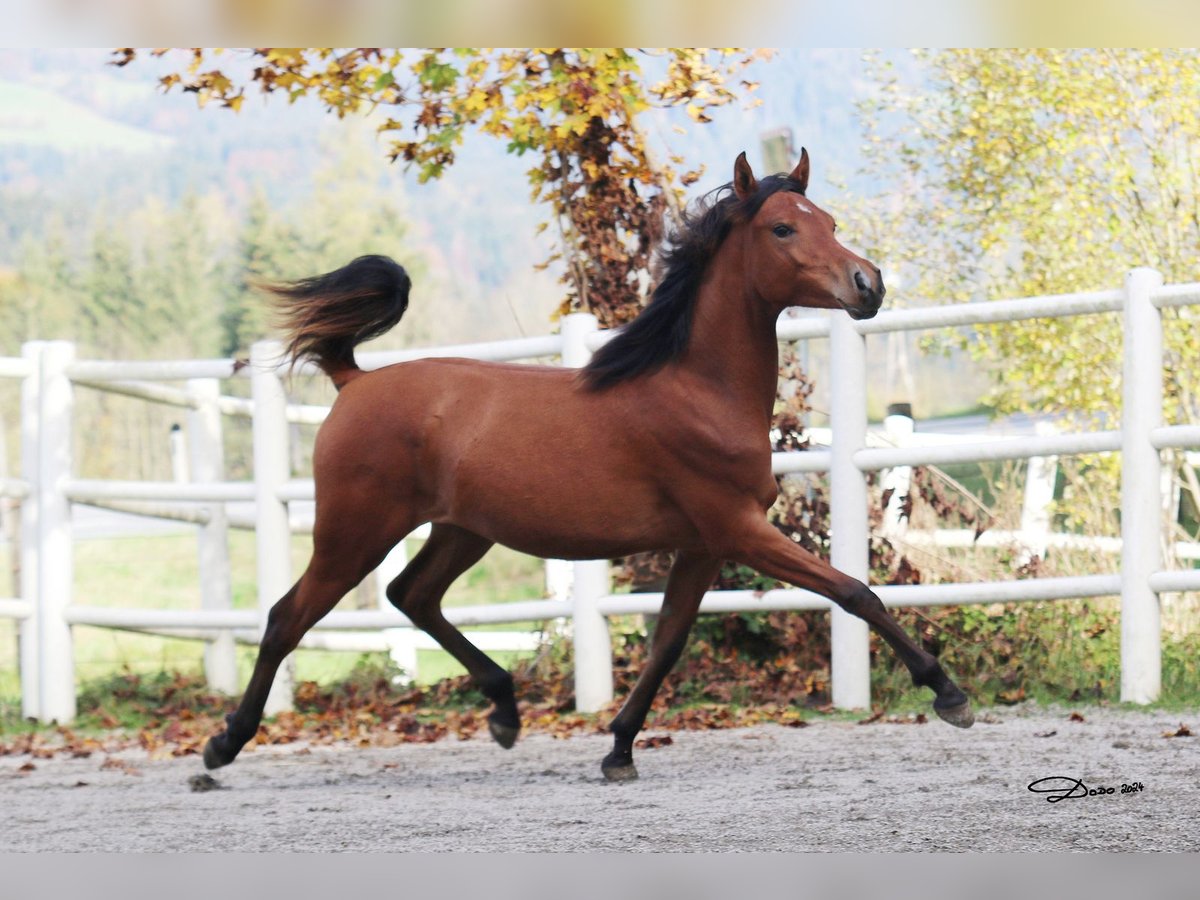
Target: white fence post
1038, 503
401, 642
850, 662
1141, 490
271, 472
592, 579
55, 551
206, 462
899, 426
180, 464
31, 413
558, 579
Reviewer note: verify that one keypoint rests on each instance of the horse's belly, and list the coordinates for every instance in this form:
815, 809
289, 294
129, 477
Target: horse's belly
558, 519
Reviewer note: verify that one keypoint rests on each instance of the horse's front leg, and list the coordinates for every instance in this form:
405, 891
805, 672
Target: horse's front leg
756, 544
691, 574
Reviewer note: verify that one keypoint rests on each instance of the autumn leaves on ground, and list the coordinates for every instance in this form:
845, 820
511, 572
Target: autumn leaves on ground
174, 714
739, 670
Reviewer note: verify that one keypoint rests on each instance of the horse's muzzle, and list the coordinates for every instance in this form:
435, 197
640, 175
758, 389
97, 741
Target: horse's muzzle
870, 295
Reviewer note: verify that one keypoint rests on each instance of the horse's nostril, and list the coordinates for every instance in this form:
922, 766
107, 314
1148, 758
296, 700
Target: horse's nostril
861, 283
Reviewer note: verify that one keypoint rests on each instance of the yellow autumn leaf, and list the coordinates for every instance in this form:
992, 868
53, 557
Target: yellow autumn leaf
476, 101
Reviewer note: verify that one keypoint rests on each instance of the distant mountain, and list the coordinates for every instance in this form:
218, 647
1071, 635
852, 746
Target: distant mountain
38, 118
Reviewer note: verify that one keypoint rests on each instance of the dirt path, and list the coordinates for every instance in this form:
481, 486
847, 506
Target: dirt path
830, 786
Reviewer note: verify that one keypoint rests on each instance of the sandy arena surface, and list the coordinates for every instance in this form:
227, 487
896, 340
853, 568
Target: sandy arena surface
832, 786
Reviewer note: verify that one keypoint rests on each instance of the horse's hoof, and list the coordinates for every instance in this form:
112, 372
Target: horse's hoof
627, 772
214, 756
959, 716
504, 735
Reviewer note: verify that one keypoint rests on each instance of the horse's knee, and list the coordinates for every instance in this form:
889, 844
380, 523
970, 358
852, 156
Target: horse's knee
277, 639
859, 600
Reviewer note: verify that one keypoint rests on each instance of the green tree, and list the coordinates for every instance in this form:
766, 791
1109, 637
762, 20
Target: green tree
265, 251
180, 274
1030, 172
36, 301
1041, 172
114, 324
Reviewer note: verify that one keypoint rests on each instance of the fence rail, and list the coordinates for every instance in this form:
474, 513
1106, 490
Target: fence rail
49, 373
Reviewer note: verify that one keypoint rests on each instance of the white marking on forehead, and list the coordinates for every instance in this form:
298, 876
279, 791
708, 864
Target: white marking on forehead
803, 208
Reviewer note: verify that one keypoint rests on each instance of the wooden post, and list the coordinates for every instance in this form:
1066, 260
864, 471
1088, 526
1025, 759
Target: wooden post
271, 472
850, 663
591, 578
1141, 490
55, 552
27, 633
206, 462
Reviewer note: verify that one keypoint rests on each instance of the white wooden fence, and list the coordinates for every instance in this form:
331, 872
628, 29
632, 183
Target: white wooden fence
47, 488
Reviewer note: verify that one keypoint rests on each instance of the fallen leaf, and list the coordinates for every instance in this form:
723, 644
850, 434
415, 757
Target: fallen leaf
649, 743
1183, 731
113, 763
1076, 717
874, 717
1045, 733
1009, 698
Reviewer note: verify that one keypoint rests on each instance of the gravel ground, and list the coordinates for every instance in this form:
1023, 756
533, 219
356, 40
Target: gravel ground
832, 786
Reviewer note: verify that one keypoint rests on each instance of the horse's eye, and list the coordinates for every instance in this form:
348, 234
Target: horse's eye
782, 231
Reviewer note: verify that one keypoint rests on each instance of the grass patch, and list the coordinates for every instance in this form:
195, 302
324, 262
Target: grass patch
162, 572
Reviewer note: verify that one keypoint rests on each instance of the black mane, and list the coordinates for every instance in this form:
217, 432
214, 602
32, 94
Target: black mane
661, 331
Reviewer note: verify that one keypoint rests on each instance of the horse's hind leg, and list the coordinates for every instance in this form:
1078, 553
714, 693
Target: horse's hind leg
340, 561
691, 575
298, 610
417, 592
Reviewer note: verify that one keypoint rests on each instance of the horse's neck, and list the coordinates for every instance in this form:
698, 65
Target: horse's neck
733, 341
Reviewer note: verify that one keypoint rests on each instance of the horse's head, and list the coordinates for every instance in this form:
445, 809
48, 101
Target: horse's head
793, 256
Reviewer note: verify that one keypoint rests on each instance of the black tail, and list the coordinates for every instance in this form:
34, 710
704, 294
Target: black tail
325, 317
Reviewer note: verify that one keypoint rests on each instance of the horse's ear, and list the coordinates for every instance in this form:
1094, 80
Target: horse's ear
744, 182
800, 173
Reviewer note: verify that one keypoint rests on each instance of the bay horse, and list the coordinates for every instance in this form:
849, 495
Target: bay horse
659, 443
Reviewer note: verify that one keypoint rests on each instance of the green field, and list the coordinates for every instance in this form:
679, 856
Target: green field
161, 572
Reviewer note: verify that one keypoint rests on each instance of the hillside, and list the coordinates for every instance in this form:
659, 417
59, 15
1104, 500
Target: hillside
39, 118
